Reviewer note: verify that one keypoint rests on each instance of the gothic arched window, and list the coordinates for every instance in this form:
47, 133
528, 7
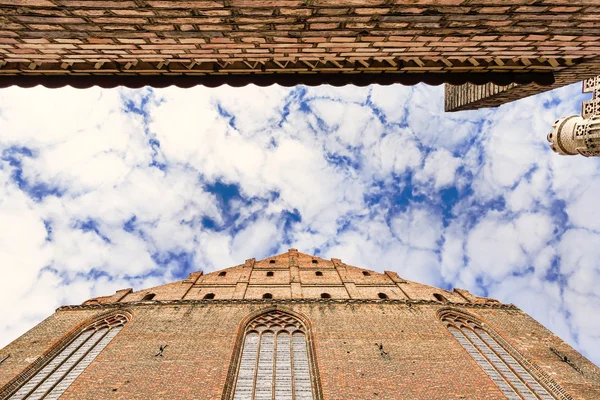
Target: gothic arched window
504, 370
51, 381
275, 362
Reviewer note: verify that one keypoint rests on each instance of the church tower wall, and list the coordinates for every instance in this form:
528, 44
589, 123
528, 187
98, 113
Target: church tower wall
421, 360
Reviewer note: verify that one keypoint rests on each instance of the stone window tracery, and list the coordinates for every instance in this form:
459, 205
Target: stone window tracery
275, 361
504, 370
53, 379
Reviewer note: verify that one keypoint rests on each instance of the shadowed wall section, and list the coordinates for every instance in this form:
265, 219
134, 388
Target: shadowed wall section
472, 97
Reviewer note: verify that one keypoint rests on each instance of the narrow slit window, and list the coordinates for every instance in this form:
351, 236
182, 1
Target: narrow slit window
511, 377
325, 296
274, 361
54, 378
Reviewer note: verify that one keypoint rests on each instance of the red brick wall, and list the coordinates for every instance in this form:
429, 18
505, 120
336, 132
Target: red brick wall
425, 361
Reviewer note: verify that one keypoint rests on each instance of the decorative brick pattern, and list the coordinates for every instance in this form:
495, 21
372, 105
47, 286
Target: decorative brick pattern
591, 107
82, 43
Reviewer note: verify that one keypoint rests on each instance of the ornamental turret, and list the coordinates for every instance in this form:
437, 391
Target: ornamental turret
580, 134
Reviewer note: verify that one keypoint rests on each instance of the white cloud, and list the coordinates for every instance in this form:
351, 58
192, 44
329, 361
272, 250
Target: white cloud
392, 101
396, 153
311, 168
581, 211
418, 227
440, 166
498, 247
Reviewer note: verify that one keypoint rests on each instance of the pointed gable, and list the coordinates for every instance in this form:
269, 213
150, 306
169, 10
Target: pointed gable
294, 275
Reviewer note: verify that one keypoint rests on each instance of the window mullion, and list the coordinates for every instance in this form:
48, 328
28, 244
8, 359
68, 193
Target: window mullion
273, 375
292, 366
303, 367
260, 334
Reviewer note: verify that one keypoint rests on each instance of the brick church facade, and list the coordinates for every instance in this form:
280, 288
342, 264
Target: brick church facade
295, 327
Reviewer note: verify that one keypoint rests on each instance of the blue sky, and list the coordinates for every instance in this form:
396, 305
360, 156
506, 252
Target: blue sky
107, 189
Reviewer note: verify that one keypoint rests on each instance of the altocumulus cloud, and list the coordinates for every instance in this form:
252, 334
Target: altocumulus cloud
106, 189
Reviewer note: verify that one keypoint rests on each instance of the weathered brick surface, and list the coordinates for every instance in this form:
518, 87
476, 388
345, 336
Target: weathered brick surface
423, 361
363, 41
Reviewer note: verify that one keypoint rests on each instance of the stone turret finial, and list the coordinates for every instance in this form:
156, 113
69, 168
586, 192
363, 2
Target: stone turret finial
580, 134
576, 135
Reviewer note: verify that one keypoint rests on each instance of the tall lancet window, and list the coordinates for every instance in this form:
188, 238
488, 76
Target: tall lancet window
51, 381
513, 379
275, 363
